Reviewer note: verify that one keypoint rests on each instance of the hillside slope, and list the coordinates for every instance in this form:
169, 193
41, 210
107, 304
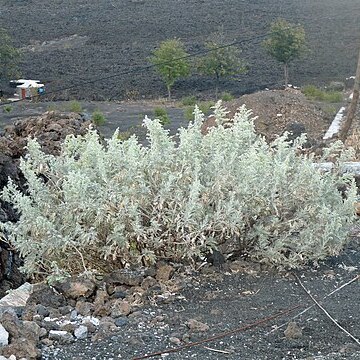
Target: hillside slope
71, 41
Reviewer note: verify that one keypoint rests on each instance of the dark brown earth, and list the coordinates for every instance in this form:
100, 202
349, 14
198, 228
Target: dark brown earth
69, 42
240, 294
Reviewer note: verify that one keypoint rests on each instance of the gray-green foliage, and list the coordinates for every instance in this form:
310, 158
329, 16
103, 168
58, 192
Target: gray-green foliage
126, 203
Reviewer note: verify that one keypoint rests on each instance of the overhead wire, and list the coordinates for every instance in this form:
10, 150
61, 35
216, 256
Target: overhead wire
141, 68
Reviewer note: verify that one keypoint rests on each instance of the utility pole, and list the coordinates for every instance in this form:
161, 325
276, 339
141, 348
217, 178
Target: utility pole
343, 133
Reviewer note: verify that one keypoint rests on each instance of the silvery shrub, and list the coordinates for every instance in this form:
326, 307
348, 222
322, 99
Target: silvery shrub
102, 205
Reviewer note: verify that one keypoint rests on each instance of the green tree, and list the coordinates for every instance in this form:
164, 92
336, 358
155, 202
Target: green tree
285, 43
9, 56
170, 61
221, 61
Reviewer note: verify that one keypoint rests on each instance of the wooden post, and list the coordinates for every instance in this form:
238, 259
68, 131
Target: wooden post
353, 106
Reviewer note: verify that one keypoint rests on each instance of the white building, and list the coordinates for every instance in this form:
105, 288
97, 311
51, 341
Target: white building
26, 88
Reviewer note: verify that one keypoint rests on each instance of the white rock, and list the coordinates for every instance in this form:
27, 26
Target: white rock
81, 332
17, 297
12, 357
95, 321
335, 125
61, 336
4, 336
4, 358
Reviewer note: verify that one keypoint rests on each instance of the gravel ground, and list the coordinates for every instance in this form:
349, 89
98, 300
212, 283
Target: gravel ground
225, 301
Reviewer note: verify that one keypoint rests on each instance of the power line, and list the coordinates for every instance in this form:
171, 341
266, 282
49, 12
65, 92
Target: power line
143, 68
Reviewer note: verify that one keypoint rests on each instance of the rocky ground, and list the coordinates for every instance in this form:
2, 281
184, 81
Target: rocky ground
275, 111
130, 313
69, 43
186, 314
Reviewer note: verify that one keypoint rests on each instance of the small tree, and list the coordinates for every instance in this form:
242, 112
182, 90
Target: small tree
285, 43
9, 56
170, 61
221, 61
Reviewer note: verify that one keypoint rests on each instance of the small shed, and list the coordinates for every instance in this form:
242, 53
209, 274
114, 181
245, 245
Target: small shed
27, 88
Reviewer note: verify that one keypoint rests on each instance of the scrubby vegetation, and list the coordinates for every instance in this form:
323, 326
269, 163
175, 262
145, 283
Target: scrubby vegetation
204, 106
98, 206
7, 108
189, 100
226, 96
162, 115
314, 93
98, 118
75, 106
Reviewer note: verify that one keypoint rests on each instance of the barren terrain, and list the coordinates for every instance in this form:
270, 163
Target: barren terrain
69, 42
227, 300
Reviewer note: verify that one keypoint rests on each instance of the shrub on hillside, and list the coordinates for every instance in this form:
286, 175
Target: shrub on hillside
189, 100
204, 106
314, 93
75, 106
98, 206
162, 115
98, 118
226, 96
7, 108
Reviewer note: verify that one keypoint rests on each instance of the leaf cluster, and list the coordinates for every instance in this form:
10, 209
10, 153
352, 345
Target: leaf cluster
286, 41
221, 61
170, 61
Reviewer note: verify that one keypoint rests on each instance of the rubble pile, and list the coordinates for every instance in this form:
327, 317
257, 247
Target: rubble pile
37, 318
50, 129
277, 110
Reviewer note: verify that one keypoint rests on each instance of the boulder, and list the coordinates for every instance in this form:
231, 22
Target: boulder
76, 287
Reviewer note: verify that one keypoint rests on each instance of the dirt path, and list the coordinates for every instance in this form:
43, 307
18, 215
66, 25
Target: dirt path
274, 110
127, 116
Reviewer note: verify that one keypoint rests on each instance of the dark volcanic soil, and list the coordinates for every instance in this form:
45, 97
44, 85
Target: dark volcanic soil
226, 301
68, 42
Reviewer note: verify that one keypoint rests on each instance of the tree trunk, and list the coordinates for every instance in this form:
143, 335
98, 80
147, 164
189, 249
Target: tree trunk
286, 74
352, 109
169, 92
217, 87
